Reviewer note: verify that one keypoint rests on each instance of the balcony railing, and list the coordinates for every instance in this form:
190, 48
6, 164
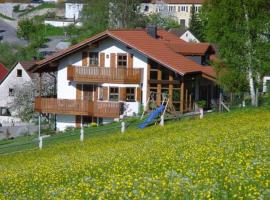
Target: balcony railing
78, 107
104, 75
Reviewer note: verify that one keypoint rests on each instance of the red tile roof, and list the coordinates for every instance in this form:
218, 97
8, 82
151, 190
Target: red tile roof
159, 49
3, 72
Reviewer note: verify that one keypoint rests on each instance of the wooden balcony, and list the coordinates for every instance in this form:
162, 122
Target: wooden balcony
78, 107
104, 75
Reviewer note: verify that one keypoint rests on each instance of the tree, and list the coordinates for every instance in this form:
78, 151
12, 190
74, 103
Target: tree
166, 22
24, 96
239, 29
195, 24
10, 54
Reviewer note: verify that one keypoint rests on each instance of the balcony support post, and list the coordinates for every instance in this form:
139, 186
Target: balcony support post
82, 130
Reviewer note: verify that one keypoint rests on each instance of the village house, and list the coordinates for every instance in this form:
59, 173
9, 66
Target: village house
14, 78
179, 9
112, 75
184, 34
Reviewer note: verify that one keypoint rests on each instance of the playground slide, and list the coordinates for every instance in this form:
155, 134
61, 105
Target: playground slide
152, 116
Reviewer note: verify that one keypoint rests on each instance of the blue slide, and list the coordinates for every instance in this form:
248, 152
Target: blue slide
152, 116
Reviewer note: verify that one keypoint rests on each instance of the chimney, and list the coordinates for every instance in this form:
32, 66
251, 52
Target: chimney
152, 30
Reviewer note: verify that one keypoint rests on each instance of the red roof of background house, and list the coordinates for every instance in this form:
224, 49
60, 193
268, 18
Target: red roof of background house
3, 72
176, 1
158, 49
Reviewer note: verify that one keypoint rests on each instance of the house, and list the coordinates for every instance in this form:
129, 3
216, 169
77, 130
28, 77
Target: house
266, 81
112, 75
17, 76
184, 34
179, 9
73, 9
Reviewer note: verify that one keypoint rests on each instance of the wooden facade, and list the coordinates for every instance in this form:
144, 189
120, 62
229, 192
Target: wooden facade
164, 81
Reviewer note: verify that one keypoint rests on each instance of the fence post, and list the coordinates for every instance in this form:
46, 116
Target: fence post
82, 134
40, 144
162, 120
123, 127
201, 113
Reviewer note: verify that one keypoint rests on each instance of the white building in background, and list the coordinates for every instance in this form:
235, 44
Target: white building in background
266, 83
179, 9
73, 9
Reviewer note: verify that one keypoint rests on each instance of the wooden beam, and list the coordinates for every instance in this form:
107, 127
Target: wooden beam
159, 86
182, 96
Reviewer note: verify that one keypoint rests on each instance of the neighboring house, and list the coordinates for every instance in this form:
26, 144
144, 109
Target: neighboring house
112, 74
266, 83
184, 34
179, 9
17, 76
73, 9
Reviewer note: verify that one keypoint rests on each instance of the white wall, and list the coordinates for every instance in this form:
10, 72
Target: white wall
185, 15
12, 81
266, 81
58, 23
189, 37
73, 10
65, 121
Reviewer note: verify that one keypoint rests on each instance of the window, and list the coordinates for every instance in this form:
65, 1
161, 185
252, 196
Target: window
4, 112
114, 94
122, 60
146, 8
186, 8
130, 94
153, 75
11, 92
183, 8
19, 73
165, 74
183, 22
93, 59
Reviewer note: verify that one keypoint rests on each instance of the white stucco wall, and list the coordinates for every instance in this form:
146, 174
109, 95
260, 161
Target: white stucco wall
58, 23
73, 10
176, 11
189, 37
266, 81
12, 81
65, 121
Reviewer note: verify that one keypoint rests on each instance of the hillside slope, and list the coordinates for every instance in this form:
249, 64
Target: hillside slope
224, 156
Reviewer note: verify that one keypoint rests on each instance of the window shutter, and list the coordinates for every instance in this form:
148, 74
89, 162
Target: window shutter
102, 60
139, 95
105, 93
112, 57
78, 91
85, 58
130, 61
122, 94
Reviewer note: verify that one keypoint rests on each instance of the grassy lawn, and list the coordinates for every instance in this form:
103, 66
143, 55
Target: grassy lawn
224, 156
